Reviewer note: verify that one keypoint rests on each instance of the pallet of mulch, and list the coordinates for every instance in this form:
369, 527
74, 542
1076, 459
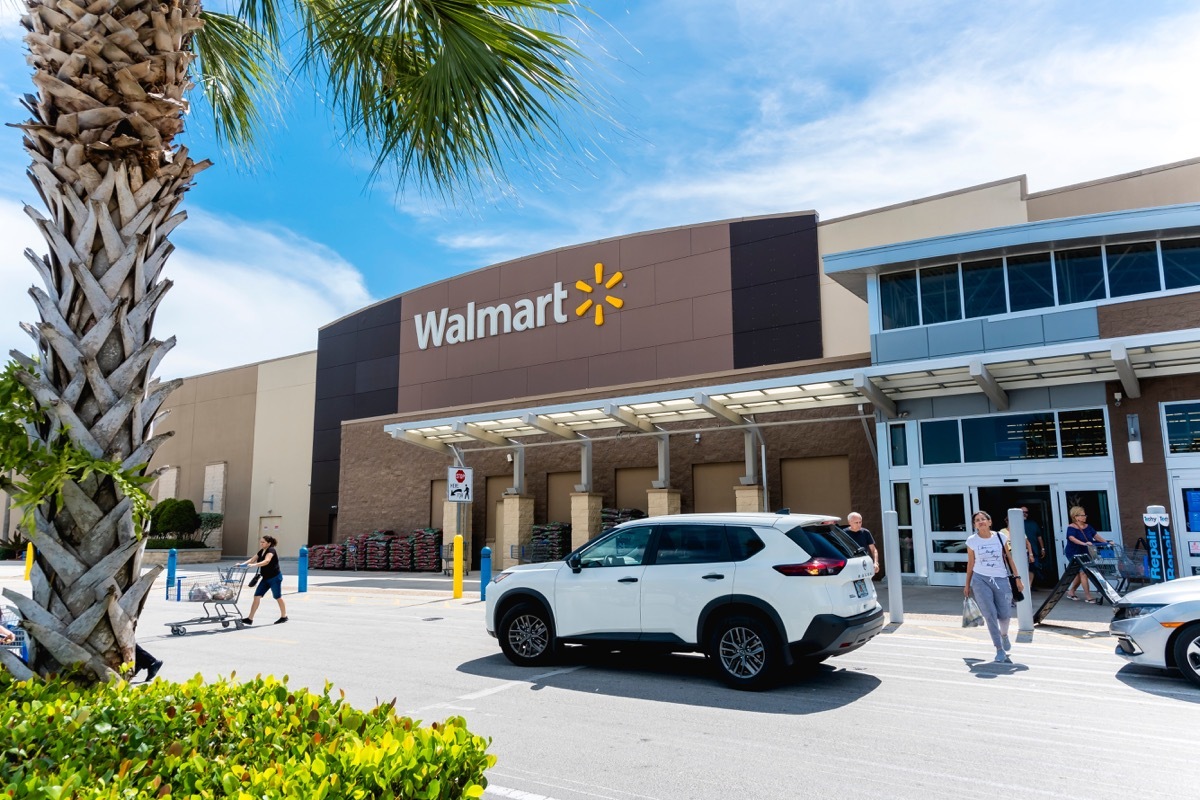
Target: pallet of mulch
549, 542
356, 551
612, 517
375, 550
316, 556
400, 554
427, 550
335, 556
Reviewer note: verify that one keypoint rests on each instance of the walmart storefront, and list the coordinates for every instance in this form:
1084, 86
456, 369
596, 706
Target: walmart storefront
984, 348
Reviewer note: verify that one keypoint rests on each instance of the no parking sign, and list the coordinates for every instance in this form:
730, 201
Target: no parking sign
458, 484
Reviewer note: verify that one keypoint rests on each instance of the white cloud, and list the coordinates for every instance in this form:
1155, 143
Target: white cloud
891, 103
242, 293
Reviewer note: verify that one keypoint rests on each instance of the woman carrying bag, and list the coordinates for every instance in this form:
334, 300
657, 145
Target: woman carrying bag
988, 566
267, 562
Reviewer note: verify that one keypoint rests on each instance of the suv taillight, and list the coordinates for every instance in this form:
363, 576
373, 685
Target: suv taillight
814, 566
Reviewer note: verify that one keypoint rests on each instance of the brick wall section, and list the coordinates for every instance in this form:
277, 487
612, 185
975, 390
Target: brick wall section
1157, 315
1141, 485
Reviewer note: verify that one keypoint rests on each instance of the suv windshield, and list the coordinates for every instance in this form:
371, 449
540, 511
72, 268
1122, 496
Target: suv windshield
823, 541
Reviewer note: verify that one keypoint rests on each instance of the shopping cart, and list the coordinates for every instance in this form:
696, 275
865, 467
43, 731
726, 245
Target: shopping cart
20, 645
218, 594
1118, 567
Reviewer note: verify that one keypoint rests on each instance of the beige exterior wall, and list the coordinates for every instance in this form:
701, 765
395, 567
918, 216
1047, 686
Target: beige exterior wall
282, 456
257, 420
1157, 186
844, 327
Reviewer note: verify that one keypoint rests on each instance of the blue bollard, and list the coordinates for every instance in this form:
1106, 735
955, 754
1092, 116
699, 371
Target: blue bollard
172, 556
485, 571
302, 570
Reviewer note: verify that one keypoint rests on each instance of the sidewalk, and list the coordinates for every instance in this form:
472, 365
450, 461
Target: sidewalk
936, 604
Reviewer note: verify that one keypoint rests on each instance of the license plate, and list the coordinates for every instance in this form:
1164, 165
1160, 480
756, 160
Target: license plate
861, 588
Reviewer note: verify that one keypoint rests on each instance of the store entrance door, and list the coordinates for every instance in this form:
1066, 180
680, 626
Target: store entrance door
1185, 519
997, 500
1098, 501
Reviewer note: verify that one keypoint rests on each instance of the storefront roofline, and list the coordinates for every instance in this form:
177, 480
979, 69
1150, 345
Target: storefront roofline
1128, 360
851, 267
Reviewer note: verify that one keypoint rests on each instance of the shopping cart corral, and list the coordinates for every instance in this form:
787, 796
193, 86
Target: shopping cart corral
218, 595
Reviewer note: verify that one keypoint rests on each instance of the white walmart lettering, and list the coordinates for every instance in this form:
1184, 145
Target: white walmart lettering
436, 328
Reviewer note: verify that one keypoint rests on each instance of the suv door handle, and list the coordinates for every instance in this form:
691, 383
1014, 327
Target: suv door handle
626, 580
714, 576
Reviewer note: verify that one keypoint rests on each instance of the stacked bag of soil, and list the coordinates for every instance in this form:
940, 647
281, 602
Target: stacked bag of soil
612, 517
550, 542
427, 550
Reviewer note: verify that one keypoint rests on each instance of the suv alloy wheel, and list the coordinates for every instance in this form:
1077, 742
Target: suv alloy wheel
526, 636
745, 651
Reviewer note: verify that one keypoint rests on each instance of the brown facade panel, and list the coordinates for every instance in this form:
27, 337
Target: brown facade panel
528, 275
694, 276
1155, 315
655, 248
706, 238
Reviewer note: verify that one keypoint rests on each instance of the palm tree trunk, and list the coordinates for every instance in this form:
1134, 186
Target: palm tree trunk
110, 78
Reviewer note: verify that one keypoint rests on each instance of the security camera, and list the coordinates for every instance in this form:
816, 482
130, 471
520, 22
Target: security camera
1117, 398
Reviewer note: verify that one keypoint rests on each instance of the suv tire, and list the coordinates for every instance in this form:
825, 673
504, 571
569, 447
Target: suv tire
745, 651
526, 635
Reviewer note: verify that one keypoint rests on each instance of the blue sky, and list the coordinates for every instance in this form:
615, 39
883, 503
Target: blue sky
720, 109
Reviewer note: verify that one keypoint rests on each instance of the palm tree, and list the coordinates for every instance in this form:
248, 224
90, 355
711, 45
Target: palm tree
441, 91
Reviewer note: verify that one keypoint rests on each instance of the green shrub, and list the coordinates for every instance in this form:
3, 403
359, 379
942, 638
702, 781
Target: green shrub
173, 515
258, 739
209, 522
167, 543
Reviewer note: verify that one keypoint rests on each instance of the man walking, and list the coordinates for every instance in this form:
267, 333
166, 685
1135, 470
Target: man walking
1036, 545
862, 537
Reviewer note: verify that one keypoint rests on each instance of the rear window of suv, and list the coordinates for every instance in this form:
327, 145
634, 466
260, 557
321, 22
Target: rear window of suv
823, 541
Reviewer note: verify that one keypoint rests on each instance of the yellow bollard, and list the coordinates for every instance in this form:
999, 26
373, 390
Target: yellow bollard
28, 560
458, 566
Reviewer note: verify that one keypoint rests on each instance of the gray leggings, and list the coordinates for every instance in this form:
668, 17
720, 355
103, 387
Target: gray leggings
994, 596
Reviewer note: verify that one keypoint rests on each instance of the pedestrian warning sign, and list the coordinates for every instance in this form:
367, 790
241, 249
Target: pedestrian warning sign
458, 484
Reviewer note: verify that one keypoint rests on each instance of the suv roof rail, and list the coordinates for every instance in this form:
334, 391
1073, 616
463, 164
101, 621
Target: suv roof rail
784, 511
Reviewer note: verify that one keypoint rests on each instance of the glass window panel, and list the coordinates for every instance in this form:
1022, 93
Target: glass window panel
691, 544
940, 301
898, 300
1080, 275
743, 542
622, 548
1181, 262
948, 512
1183, 427
1011, 437
1094, 503
939, 442
902, 504
1030, 282
899, 442
983, 288
1083, 434
1132, 269
949, 566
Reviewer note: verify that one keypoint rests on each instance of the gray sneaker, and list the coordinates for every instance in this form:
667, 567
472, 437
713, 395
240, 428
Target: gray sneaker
1006, 643
1002, 657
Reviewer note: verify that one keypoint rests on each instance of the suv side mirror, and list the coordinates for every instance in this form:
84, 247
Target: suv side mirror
574, 562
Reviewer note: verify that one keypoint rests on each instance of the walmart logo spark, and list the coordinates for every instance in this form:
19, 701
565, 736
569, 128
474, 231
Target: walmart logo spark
587, 288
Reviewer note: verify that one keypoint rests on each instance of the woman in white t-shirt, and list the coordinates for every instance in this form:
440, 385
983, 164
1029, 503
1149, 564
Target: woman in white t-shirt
988, 564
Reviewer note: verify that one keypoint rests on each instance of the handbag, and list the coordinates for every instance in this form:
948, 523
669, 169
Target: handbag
1017, 594
254, 580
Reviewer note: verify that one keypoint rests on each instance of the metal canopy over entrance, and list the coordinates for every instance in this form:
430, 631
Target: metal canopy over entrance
1128, 360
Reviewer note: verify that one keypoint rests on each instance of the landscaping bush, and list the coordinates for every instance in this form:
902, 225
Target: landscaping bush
209, 522
174, 516
258, 739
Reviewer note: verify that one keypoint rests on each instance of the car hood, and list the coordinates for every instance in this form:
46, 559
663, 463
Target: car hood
1175, 591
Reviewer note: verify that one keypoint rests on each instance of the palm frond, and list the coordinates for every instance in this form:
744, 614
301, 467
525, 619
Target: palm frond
445, 90
237, 69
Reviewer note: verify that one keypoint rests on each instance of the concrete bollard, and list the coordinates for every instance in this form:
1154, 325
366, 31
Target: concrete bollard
891, 556
458, 566
485, 571
172, 560
302, 570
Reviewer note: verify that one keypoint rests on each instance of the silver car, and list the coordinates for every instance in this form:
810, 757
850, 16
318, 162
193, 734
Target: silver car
1159, 626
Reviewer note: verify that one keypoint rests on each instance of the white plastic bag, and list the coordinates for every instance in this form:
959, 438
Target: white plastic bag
972, 616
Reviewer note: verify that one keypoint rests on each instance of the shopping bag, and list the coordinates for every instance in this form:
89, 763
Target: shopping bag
972, 616
254, 580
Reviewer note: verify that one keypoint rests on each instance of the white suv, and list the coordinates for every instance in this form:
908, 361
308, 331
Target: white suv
753, 591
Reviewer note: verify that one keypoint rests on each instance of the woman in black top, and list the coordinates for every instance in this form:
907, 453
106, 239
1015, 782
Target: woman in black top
267, 562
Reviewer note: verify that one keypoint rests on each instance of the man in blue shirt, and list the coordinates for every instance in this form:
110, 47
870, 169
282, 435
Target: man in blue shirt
1037, 545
